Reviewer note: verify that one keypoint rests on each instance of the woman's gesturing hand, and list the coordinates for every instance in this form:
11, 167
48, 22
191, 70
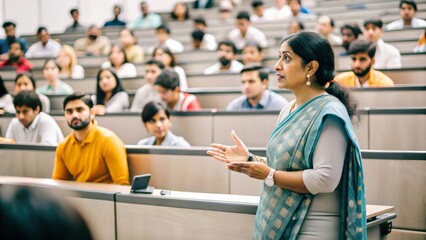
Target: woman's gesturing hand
228, 154
257, 170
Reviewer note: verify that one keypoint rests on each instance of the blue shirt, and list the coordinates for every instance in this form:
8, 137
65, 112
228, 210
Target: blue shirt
4, 45
115, 23
169, 140
151, 21
269, 101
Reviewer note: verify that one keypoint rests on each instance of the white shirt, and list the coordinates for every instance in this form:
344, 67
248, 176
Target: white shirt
252, 34
183, 83
43, 129
127, 70
77, 73
399, 24
278, 14
265, 18
6, 102
143, 95
173, 45
387, 56
37, 50
236, 67
209, 42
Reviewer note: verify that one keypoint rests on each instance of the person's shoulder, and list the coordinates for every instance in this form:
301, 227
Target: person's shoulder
146, 141
178, 141
383, 79
47, 119
391, 49
236, 103
395, 25
212, 69
105, 133
343, 76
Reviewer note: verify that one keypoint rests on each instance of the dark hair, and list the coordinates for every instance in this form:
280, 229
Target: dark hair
256, 3
122, 51
27, 98
163, 27
100, 95
3, 89
174, 16
253, 44
229, 44
35, 213
263, 74
8, 24
159, 64
51, 60
243, 15
362, 46
310, 46
376, 22
353, 27
152, 108
197, 35
16, 41
168, 79
41, 29
200, 20
331, 22
167, 51
73, 11
299, 23
29, 76
83, 97
409, 2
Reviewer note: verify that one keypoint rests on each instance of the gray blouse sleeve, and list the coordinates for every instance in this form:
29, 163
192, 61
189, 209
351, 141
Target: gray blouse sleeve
118, 102
328, 158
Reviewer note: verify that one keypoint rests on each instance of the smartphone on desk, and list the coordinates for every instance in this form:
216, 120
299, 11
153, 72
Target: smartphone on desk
140, 184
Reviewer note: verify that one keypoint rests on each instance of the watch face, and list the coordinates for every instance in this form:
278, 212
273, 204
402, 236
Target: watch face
269, 182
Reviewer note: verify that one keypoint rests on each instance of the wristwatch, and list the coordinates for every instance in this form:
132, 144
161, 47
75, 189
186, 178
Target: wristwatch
269, 180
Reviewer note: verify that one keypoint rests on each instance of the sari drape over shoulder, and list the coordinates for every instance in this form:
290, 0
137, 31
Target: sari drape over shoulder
281, 212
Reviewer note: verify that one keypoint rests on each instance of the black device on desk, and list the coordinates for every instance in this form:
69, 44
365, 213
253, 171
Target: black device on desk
140, 184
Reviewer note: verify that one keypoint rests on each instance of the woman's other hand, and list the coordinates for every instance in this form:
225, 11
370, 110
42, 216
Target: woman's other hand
257, 170
228, 154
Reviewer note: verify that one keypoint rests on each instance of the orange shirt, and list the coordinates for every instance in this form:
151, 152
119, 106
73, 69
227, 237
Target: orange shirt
100, 158
376, 79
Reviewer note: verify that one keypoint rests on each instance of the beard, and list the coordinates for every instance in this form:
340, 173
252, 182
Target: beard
14, 58
224, 62
363, 72
83, 124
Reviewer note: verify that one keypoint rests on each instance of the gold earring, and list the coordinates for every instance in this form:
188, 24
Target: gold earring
308, 83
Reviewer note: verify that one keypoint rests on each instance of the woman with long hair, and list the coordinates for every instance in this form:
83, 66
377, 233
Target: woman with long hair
166, 56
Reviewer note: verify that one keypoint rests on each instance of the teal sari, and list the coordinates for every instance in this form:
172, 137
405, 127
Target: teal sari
281, 212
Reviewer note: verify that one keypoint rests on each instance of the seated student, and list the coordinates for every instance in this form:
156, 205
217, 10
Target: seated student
115, 22
36, 213
407, 10
31, 125
54, 84
180, 12
252, 54
295, 27
350, 33
387, 56
110, 95
362, 74
256, 95
325, 27
104, 155
244, 32
6, 100
10, 32
117, 60
67, 60
226, 52
166, 56
134, 52
94, 44
147, 93
75, 26
259, 12
25, 82
164, 40
156, 119
45, 47
16, 58
147, 20
201, 39
167, 85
